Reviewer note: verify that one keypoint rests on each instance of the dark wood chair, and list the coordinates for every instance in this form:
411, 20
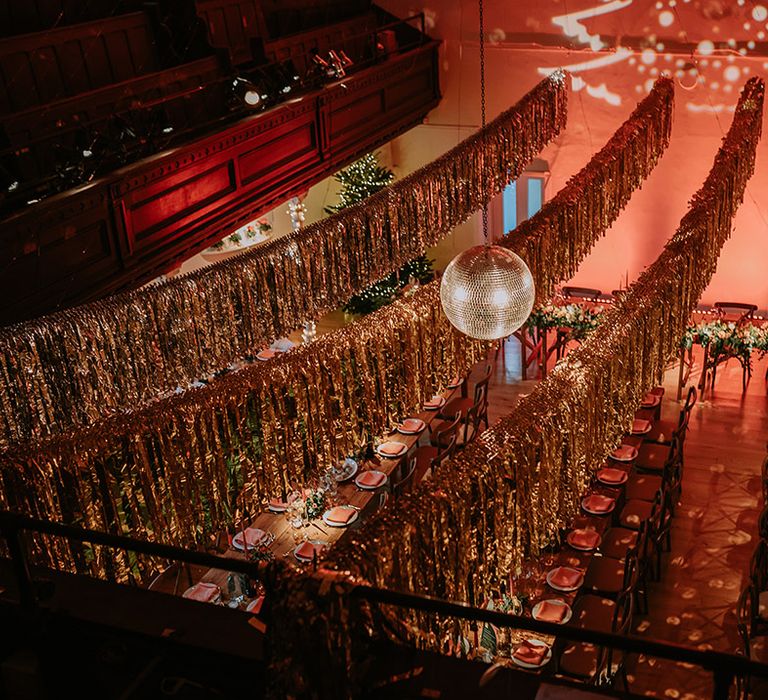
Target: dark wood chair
593, 664
442, 447
405, 483
663, 430
479, 402
738, 313
581, 294
735, 311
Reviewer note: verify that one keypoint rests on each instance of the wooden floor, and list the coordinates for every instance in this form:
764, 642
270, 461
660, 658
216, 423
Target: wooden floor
714, 530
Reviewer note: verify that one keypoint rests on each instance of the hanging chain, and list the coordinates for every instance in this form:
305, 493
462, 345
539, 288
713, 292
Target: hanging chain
482, 104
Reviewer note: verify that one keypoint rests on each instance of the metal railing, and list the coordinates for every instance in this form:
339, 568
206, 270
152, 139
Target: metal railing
724, 667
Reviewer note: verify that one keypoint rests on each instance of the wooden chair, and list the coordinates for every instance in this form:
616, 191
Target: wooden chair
430, 457
743, 625
762, 523
663, 430
765, 480
405, 483
758, 580
735, 311
581, 294
592, 664
738, 313
463, 405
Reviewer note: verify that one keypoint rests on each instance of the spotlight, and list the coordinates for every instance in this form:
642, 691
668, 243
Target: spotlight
247, 92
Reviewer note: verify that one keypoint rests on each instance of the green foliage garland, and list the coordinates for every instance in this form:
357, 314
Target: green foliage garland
361, 180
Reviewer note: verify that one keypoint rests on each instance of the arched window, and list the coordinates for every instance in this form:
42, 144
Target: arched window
523, 197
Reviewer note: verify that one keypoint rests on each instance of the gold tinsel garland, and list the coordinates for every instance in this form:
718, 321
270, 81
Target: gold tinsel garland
514, 489
556, 239
182, 469
129, 443
77, 366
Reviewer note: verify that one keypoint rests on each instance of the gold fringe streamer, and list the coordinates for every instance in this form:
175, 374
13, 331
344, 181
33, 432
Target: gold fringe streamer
75, 367
514, 490
556, 239
184, 468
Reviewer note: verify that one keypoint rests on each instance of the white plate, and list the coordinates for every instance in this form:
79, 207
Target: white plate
391, 456
633, 452
437, 406
454, 385
404, 431
559, 588
655, 401
305, 560
554, 601
274, 508
597, 512
621, 482
583, 549
535, 643
350, 470
333, 523
266, 538
371, 488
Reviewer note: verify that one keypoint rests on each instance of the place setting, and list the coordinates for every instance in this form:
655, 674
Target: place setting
531, 654
252, 538
341, 516
565, 579
411, 426
598, 504
391, 449
611, 476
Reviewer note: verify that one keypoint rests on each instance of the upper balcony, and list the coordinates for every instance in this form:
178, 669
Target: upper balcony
134, 140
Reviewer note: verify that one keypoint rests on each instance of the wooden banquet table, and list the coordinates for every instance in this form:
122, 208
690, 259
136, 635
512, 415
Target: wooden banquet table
366, 502
529, 586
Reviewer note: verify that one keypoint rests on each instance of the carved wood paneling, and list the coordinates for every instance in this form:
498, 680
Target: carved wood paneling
123, 230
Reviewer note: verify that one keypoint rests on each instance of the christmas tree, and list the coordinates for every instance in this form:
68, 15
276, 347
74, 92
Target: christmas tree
358, 181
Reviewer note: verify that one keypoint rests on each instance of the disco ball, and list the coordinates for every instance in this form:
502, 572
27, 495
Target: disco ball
487, 292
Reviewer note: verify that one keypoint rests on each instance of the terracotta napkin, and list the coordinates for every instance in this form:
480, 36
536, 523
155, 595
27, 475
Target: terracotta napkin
612, 476
392, 449
267, 354
371, 479
624, 452
254, 606
412, 424
253, 535
277, 504
341, 515
307, 550
434, 402
551, 612
530, 653
203, 592
640, 425
565, 577
584, 538
598, 503
650, 400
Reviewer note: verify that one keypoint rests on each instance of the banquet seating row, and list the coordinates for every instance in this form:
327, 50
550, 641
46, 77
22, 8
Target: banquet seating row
631, 536
459, 424
752, 605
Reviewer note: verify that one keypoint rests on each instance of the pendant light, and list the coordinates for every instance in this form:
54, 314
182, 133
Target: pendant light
487, 292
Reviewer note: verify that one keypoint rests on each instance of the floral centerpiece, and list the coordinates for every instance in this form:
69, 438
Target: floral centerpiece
736, 340
250, 234
576, 318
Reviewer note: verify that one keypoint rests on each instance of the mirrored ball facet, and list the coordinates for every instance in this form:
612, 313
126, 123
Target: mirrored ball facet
487, 292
